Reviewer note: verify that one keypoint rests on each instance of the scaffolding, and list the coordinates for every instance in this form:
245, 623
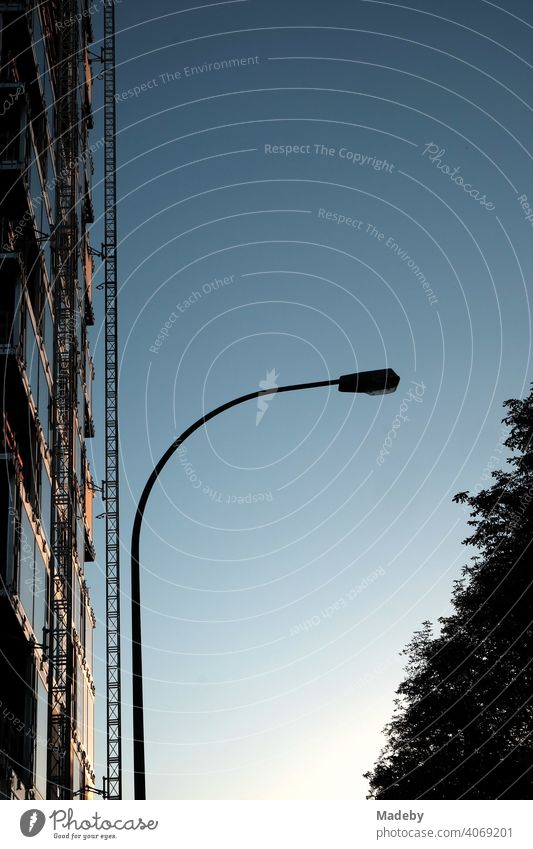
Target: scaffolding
65, 251
114, 732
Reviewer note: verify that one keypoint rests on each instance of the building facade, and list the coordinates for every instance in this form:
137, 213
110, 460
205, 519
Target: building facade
46, 370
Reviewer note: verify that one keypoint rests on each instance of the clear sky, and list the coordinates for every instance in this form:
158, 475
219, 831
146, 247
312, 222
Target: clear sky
306, 189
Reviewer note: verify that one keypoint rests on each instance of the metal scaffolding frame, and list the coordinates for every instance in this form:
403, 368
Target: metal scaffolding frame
114, 730
65, 252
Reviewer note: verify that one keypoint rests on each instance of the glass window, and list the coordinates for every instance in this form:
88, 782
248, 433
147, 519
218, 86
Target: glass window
31, 356
47, 254
35, 186
90, 727
48, 334
76, 601
13, 316
43, 405
41, 738
38, 41
42, 65
83, 612
12, 136
89, 375
79, 454
80, 542
78, 322
89, 640
50, 186
80, 772
8, 529
86, 696
26, 564
7, 313
48, 99
40, 595
80, 406
32, 578
80, 702
45, 506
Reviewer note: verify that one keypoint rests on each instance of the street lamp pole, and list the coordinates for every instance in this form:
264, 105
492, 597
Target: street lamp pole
378, 382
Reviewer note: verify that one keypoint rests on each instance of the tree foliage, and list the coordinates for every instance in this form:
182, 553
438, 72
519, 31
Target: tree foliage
462, 723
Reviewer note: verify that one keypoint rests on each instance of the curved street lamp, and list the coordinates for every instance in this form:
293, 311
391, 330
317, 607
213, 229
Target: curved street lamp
379, 382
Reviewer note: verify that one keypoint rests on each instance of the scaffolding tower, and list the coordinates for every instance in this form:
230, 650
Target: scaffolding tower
65, 251
114, 731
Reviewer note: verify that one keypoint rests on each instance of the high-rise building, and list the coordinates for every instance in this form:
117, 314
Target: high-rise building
46, 370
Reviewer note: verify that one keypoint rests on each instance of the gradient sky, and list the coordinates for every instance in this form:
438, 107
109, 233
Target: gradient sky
258, 528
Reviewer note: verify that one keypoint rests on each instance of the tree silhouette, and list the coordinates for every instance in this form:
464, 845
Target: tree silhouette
462, 723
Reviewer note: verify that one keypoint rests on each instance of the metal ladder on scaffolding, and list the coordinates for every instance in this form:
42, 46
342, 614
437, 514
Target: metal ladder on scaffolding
112, 457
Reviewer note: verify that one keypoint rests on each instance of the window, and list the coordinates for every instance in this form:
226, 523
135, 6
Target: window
8, 525
31, 356
35, 187
89, 640
41, 738
7, 311
76, 602
48, 334
43, 403
26, 556
47, 255
90, 724
40, 596
45, 503
80, 704
32, 580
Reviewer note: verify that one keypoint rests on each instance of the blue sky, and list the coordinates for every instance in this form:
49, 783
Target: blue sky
287, 563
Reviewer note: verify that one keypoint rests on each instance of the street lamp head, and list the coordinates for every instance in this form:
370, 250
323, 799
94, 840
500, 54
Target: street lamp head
380, 382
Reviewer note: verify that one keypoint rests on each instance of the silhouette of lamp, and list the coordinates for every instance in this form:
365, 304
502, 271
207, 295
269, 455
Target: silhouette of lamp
380, 382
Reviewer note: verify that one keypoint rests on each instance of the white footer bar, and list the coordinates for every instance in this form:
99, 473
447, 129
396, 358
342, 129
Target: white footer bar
269, 825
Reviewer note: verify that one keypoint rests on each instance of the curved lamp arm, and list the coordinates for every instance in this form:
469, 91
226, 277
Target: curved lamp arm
378, 382
136, 642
